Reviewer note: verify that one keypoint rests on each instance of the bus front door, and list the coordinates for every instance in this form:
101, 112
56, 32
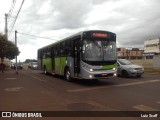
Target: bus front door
76, 58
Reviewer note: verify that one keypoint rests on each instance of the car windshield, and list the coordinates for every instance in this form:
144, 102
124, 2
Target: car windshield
99, 50
124, 62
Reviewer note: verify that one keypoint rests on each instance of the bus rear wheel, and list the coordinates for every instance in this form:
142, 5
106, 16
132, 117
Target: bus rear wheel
45, 70
67, 75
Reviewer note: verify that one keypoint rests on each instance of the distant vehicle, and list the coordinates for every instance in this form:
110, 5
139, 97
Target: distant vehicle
126, 68
33, 65
19, 66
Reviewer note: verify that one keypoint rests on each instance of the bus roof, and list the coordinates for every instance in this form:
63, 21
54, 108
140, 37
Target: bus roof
72, 36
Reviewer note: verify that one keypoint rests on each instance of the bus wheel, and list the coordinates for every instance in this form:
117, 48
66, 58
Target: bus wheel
67, 74
45, 71
95, 80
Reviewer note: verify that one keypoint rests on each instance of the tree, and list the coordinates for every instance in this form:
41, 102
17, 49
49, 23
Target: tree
7, 49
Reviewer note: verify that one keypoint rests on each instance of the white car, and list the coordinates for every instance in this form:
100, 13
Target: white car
126, 68
33, 65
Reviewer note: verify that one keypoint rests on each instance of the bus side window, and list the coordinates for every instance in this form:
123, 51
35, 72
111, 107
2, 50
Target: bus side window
44, 54
63, 50
47, 53
58, 50
69, 47
55, 51
40, 54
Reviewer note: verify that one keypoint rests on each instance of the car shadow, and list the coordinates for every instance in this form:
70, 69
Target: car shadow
130, 77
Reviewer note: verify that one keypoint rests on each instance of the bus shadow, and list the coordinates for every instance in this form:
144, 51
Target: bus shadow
87, 83
98, 83
94, 83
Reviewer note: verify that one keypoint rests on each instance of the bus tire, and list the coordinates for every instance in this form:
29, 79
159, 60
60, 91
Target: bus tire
68, 75
95, 80
45, 70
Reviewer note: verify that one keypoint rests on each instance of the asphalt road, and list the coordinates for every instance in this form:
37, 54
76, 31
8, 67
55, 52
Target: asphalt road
31, 90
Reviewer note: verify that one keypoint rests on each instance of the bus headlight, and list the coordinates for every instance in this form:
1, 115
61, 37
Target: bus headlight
114, 69
90, 76
87, 68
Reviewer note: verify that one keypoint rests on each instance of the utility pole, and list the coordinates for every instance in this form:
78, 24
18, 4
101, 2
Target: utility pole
6, 25
16, 46
159, 45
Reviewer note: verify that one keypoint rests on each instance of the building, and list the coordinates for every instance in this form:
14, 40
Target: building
129, 53
151, 48
6, 63
121, 53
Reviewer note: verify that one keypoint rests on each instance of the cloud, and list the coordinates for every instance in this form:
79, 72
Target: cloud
133, 21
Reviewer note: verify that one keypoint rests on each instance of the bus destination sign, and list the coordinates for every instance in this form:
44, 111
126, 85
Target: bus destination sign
101, 35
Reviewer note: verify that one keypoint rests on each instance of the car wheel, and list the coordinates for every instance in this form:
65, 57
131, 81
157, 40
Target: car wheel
138, 76
124, 73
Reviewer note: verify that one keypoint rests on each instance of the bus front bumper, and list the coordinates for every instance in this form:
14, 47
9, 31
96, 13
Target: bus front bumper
102, 74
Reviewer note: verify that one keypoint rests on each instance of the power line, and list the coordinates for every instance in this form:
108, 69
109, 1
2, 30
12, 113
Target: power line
16, 16
11, 9
36, 36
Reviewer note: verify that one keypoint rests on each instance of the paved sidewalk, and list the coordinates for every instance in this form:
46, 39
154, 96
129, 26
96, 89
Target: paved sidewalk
8, 73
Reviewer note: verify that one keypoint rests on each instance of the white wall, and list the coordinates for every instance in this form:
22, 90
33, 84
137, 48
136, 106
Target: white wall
156, 61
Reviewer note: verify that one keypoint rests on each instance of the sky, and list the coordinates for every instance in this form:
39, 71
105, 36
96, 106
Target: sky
133, 21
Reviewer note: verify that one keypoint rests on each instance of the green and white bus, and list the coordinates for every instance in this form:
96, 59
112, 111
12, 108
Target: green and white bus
85, 55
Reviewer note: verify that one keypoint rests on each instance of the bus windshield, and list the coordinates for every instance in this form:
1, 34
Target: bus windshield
99, 50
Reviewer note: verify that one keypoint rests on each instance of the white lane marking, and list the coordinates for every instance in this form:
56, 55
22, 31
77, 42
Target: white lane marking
158, 102
100, 106
120, 85
10, 78
15, 89
34, 77
96, 104
144, 108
